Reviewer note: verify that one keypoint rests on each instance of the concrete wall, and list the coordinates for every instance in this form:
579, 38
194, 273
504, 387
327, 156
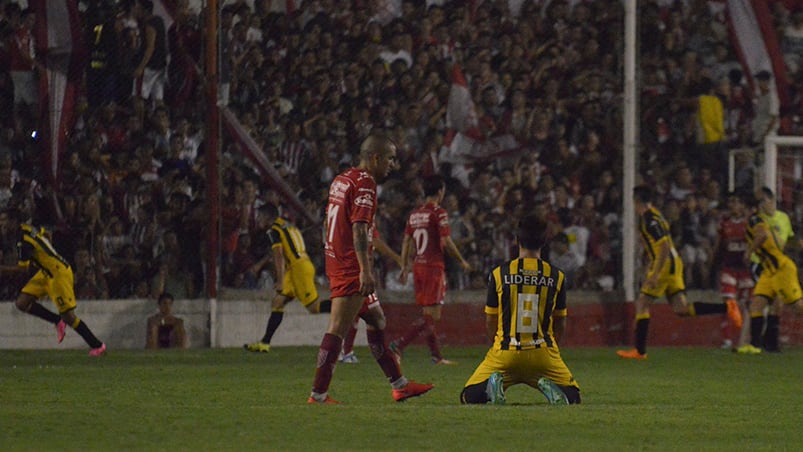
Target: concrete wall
122, 324
595, 319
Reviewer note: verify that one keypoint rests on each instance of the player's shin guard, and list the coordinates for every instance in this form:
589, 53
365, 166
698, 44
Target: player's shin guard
642, 328
327, 359
386, 360
43, 313
80, 327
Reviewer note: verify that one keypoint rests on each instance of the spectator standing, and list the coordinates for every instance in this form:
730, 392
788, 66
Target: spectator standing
711, 151
150, 74
24, 66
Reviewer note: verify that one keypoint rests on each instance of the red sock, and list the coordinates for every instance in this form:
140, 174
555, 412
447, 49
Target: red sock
432, 337
418, 327
376, 340
348, 341
327, 359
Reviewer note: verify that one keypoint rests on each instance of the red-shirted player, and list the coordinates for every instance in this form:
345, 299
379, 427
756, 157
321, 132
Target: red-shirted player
428, 234
735, 281
347, 247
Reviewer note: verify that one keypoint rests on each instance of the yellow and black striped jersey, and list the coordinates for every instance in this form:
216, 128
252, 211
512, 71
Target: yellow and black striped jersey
287, 236
34, 248
654, 229
769, 253
524, 294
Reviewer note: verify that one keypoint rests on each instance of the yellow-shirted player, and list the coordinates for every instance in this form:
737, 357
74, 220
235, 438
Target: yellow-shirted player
664, 275
53, 278
782, 226
294, 273
778, 278
525, 316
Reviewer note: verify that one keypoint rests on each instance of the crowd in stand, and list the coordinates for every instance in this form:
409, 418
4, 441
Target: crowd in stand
129, 204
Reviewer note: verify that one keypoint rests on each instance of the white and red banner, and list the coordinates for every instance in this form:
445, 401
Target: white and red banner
60, 47
464, 143
756, 42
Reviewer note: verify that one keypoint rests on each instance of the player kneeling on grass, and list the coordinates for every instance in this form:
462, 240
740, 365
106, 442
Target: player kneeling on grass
525, 316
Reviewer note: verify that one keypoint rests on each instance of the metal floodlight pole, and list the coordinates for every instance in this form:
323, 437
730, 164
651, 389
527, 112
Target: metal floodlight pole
212, 176
630, 151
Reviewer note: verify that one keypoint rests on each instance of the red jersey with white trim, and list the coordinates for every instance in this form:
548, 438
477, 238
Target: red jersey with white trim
427, 225
352, 199
733, 242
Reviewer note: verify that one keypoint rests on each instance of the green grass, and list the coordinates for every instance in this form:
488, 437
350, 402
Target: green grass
227, 399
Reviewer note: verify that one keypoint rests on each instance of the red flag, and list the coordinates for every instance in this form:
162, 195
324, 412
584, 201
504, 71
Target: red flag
464, 143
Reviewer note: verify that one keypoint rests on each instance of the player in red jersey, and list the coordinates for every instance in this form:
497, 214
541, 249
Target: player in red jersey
428, 234
347, 247
735, 280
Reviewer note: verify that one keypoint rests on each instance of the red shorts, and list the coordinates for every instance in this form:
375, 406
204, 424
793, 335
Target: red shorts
344, 286
430, 285
736, 283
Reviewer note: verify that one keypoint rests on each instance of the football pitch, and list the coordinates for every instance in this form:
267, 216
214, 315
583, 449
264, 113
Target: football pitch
228, 399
